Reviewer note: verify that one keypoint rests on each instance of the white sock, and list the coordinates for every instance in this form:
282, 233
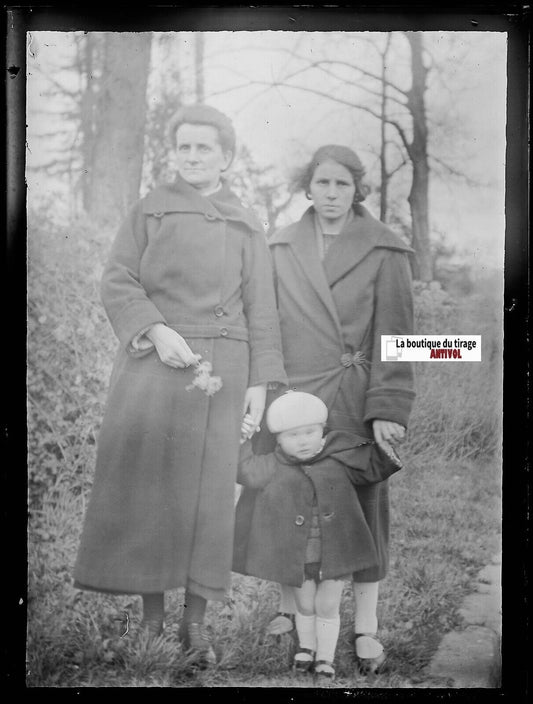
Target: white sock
366, 620
305, 627
327, 635
365, 603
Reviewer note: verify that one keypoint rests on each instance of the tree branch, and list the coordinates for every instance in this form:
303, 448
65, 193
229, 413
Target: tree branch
400, 166
338, 62
364, 88
64, 91
459, 174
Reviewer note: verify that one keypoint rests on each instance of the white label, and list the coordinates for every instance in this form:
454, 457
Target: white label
431, 348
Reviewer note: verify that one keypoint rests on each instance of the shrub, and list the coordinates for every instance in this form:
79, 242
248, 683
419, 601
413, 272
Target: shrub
70, 350
458, 408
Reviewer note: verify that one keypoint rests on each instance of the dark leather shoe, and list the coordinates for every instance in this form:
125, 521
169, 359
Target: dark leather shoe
280, 624
196, 640
370, 665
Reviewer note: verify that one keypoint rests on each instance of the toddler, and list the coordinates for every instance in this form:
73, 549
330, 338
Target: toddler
307, 529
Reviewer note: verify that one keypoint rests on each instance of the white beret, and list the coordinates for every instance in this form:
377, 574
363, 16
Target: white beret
294, 409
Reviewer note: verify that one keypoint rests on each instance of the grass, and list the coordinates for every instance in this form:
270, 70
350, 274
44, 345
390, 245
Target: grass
444, 528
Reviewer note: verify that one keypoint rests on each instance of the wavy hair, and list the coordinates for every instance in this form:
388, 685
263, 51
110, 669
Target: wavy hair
342, 155
201, 114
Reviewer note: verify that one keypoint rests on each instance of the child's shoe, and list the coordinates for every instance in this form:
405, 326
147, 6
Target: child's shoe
324, 670
369, 654
303, 660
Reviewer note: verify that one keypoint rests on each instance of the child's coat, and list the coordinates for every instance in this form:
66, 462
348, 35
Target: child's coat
270, 544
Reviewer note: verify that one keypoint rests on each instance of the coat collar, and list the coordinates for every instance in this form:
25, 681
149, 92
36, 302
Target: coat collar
301, 238
181, 197
363, 234
359, 237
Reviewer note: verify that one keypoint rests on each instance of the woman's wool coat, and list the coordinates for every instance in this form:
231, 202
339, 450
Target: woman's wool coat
161, 513
287, 489
332, 315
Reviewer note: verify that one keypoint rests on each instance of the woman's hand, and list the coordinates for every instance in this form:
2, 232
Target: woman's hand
171, 347
254, 404
387, 433
248, 428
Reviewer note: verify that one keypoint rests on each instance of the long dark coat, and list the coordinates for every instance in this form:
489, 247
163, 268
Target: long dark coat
332, 315
279, 526
161, 513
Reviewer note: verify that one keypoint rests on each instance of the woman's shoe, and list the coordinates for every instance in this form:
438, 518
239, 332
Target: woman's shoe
304, 659
280, 624
324, 670
195, 640
369, 665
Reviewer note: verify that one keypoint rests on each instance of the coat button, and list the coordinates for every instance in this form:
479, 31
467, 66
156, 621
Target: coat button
219, 311
224, 332
209, 216
299, 520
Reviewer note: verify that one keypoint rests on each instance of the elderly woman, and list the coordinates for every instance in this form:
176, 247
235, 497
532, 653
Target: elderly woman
343, 279
188, 290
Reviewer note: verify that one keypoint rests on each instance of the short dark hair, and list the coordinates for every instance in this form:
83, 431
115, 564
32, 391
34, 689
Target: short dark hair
201, 114
342, 155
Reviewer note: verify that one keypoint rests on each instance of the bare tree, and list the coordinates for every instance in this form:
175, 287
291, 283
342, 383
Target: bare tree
261, 187
417, 150
88, 62
117, 154
166, 91
383, 147
96, 120
410, 124
199, 51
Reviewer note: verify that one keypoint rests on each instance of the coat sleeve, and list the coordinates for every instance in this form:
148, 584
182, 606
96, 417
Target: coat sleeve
255, 471
368, 464
127, 305
266, 360
390, 393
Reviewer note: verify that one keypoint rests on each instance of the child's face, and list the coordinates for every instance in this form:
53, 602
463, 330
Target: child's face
303, 442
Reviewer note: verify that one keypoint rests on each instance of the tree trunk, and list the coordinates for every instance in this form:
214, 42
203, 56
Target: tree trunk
199, 67
383, 202
87, 115
117, 157
419, 194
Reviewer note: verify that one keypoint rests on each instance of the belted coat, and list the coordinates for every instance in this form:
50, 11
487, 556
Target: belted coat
161, 512
332, 315
281, 518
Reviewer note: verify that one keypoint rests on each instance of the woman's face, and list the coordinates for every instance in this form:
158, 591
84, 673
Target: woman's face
332, 190
200, 157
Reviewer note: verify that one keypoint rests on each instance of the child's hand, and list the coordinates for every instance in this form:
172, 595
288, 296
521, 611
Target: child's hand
248, 428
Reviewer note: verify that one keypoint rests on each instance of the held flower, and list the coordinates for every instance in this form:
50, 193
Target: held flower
203, 379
